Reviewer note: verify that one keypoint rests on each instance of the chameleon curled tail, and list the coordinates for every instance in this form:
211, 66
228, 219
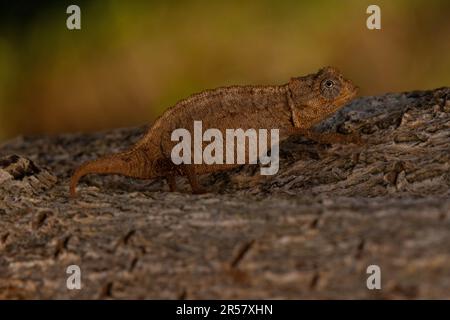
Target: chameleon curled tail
124, 163
135, 163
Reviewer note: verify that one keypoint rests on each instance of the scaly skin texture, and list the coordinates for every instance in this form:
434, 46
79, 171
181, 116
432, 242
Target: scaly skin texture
293, 108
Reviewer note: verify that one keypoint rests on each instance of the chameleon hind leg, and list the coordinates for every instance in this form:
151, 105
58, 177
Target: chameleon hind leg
169, 172
172, 182
189, 171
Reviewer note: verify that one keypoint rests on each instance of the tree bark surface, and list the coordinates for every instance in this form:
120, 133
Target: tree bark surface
309, 231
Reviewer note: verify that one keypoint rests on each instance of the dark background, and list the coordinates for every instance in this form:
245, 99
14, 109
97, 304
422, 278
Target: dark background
133, 59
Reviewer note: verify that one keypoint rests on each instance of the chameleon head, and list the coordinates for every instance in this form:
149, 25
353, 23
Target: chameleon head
319, 95
333, 88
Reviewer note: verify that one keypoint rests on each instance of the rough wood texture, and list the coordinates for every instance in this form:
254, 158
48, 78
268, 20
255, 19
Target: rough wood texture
308, 232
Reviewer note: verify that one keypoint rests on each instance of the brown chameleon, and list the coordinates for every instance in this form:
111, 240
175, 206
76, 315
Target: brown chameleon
293, 108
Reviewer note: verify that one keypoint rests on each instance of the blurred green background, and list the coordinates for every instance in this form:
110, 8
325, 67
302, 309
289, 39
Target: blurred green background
133, 59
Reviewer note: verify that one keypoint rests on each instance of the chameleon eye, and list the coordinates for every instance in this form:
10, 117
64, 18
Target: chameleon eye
329, 83
330, 88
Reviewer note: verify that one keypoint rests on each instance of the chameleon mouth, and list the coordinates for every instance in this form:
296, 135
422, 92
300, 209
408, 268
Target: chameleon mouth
350, 95
347, 98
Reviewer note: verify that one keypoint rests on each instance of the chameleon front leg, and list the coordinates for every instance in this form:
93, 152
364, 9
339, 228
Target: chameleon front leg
328, 138
189, 171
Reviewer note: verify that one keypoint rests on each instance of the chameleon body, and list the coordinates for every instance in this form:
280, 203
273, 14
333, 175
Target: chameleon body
293, 108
